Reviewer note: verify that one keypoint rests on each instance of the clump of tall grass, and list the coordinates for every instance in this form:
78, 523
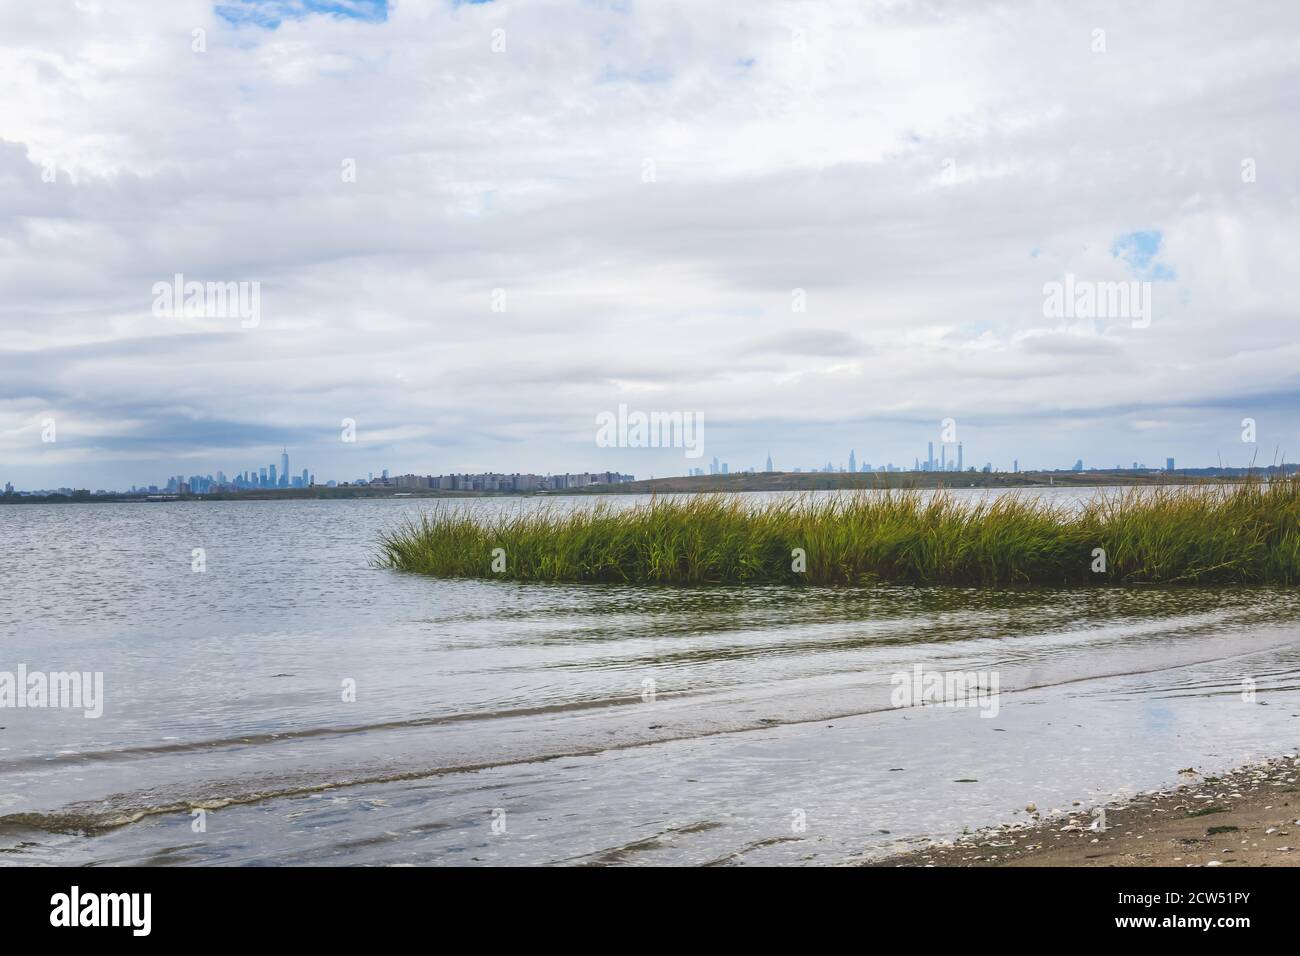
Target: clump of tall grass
1238, 534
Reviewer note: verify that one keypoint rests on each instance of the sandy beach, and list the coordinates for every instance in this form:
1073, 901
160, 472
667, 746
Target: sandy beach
1247, 817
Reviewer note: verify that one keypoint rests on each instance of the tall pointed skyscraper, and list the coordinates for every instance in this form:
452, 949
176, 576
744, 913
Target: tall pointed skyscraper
769, 461
284, 466
853, 461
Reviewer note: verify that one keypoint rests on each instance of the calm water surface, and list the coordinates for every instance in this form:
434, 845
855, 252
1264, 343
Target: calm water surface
496, 722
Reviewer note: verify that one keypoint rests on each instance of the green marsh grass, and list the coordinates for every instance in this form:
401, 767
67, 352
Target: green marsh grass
1226, 534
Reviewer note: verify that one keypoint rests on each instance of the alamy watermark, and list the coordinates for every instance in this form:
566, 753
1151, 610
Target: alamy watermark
180, 299
626, 429
1084, 299
75, 908
68, 690
922, 688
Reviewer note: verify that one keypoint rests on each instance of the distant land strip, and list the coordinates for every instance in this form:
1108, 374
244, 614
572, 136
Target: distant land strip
738, 482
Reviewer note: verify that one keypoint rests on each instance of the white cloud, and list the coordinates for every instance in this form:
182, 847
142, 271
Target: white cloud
776, 168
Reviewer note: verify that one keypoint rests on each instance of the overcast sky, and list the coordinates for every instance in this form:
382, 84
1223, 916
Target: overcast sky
648, 183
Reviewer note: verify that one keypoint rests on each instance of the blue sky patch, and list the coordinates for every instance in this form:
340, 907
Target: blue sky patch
271, 13
1138, 250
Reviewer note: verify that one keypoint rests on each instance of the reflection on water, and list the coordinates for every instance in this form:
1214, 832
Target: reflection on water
608, 723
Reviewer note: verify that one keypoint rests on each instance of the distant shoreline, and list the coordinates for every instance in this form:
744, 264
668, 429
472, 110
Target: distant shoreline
703, 484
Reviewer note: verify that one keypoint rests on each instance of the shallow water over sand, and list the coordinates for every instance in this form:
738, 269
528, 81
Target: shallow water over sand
524, 723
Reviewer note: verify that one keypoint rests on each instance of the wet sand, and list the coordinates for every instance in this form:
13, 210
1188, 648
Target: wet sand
1247, 817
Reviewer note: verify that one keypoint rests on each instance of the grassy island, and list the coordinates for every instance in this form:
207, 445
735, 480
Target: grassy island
1229, 534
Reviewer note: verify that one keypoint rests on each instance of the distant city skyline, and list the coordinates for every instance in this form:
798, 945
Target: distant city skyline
897, 445
949, 457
